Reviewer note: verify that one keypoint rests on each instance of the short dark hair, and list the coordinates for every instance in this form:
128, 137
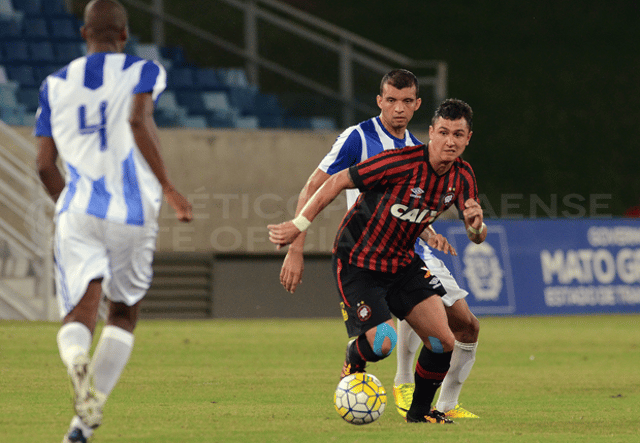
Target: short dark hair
400, 79
453, 109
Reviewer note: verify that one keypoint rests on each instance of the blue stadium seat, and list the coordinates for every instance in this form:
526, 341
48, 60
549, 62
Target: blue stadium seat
16, 51
180, 78
173, 53
7, 10
243, 99
268, 110
216, 101
67, 51
8, 95
64, 28
235, 77
220, 120
207, 78
28, 7
29, 98
192, 100
11, 112
10, 29
53, 7
24, 75
42, 53
41, 72
35, 28
297, 123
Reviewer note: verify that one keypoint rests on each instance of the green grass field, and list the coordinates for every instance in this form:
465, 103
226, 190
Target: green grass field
561, 379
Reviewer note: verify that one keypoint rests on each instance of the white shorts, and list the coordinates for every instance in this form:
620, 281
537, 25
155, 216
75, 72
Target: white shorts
86, 248
454, 292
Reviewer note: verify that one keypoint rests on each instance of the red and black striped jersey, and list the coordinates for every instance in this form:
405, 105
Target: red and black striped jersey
401, 195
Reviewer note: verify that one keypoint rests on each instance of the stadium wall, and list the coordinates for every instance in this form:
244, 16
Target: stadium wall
240, 181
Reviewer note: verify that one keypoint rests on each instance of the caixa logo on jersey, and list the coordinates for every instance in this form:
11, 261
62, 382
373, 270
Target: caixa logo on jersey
483, 270
415, 215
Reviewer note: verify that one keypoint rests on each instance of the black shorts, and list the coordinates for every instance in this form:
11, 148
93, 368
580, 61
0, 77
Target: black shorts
368, 298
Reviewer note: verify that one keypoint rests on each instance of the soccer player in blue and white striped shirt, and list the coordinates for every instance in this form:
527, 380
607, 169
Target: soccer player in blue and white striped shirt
96, 114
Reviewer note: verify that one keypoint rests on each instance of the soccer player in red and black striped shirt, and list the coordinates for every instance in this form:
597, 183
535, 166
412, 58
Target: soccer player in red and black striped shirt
376, 268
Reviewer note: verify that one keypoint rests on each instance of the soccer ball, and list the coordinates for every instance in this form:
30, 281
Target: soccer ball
360, 398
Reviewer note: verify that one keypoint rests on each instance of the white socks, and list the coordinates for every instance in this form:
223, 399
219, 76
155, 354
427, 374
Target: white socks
462, 359
408, 345
110, 358
73, 339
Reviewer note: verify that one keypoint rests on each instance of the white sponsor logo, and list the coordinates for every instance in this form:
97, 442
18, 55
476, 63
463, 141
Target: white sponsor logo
414, 215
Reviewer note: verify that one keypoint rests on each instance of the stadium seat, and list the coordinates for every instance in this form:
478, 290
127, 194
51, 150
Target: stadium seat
7, 10
233, 77
54, 8
8, 95
10, 28
220, 119
35, 28
243, 99
24, 75
67, 51
173, 53
216, 101
42, 53
268, 110
11, 112
297, 123
64, 28
16, 51
322, 123
14, 116
180, 78
247, 122
149, 51
28, 7
192, 100
29, 98
193, 121
3, 75
207, 79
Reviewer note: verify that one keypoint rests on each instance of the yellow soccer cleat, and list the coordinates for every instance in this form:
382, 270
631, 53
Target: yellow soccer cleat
403, 395
459, 412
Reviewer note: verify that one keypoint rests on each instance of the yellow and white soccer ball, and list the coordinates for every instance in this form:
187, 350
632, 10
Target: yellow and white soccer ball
360, 398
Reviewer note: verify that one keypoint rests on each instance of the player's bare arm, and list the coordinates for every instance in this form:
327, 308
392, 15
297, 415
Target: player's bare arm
473, 221
145, 134
437, 241
285, 233
293, 264
47, 168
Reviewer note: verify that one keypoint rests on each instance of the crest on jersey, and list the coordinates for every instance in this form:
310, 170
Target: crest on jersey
416, 192
363, 312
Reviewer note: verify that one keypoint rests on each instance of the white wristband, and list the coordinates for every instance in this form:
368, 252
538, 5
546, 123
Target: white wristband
472, 230
301, 222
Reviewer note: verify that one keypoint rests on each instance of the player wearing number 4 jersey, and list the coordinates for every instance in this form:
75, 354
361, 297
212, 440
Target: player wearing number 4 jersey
398, 100
375, 265
97, 115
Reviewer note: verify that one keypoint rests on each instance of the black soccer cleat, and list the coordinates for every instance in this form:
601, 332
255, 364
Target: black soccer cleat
352, 367
433, 416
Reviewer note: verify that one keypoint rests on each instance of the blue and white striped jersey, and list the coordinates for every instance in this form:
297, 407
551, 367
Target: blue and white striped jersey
358, 143
85, 108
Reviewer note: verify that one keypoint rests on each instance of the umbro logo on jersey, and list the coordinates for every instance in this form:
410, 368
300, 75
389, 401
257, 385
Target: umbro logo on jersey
416, 192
